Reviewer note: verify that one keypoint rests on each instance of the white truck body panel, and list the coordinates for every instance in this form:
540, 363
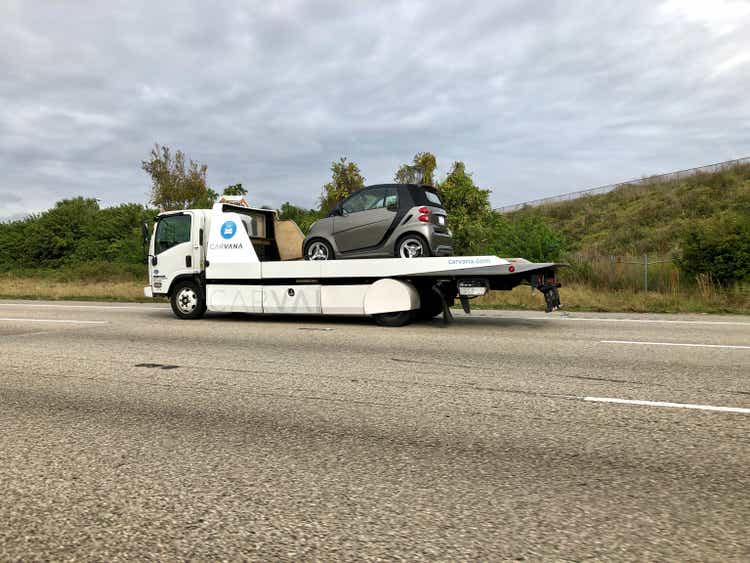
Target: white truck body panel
343, 299
234, 298
297, 299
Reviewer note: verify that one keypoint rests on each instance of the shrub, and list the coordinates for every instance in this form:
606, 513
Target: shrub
718, 246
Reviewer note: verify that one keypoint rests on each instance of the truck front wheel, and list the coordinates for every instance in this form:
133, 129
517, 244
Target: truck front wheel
188, 301
399, 318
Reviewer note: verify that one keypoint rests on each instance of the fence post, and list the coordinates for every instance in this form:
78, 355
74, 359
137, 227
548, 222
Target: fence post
645, 272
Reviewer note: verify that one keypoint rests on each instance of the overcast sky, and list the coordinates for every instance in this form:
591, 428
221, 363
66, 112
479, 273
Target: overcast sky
538, 98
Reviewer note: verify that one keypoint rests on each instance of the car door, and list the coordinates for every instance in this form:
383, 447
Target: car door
173, 252
365, 218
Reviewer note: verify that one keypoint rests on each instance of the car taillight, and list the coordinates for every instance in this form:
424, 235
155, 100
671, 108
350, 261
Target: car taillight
424, 210
424, 218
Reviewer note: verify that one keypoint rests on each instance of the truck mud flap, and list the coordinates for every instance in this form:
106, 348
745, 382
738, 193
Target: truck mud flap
447, 315
549, 288
551, 297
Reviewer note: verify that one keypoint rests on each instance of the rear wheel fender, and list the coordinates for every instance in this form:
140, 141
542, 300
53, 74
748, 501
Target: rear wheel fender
390, 296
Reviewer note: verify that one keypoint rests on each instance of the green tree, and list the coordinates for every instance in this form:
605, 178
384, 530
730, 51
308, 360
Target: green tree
345, 180
527, 237
420, 171
478, 230
175, 185
719, 246
303, 217
76, 233
235, 189
469, 211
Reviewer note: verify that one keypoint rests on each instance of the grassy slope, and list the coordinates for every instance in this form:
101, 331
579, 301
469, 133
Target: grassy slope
647, 218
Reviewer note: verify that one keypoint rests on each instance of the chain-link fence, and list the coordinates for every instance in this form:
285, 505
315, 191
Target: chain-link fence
637, 273
610, 187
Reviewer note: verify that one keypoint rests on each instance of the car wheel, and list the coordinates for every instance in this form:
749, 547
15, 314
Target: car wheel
187, 301
399, 318
412, 246
318, 250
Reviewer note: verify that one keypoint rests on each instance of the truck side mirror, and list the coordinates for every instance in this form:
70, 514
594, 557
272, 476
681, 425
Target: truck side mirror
154, 261
144, 232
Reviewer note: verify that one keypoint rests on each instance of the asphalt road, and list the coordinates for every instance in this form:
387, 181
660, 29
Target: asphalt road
128, 434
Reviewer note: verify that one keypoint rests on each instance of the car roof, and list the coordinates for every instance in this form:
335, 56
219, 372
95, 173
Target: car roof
424, 186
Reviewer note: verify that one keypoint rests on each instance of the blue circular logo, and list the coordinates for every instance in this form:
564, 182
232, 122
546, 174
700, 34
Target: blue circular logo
228, 229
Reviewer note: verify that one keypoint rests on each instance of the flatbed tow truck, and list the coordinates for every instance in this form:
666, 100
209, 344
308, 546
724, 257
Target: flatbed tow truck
238, 259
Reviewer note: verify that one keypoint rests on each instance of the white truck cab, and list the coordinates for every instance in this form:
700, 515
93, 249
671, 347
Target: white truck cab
234, 258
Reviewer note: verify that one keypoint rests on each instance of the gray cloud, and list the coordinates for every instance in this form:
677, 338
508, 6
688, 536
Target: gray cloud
537, 98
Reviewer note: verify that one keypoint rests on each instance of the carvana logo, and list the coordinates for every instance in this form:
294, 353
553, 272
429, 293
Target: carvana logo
228, 229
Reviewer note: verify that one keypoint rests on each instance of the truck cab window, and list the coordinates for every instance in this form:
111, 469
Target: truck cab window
172, 230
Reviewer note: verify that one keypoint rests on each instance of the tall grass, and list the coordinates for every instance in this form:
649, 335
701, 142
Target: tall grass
15, 287
577, 297
659, 273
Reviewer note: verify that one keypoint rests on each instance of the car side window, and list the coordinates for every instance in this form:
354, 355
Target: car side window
370, 199
391, 198
354, 204
374, 199
383, 197
171, 231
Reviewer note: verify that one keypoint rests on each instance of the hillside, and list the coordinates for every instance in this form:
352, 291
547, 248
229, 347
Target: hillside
647, 218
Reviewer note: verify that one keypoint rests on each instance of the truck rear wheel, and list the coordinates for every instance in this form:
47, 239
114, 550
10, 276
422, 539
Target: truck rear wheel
431, 305
399, 318
188, 301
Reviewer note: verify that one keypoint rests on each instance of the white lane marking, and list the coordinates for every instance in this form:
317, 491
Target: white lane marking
665, 404
675, 344
102, 307
610, 320
67, 321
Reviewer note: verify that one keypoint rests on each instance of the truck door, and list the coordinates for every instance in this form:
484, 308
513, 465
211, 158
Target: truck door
174, 254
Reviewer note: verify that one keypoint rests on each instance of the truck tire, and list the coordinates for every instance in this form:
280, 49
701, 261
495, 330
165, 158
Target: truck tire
399, 318
430, 305
188, 301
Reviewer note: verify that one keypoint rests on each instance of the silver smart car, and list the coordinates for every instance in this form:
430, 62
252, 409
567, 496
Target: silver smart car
383, 221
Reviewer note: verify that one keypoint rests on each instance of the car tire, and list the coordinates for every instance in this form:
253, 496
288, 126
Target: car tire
409, 243
188, 301
320, 248
399, 318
